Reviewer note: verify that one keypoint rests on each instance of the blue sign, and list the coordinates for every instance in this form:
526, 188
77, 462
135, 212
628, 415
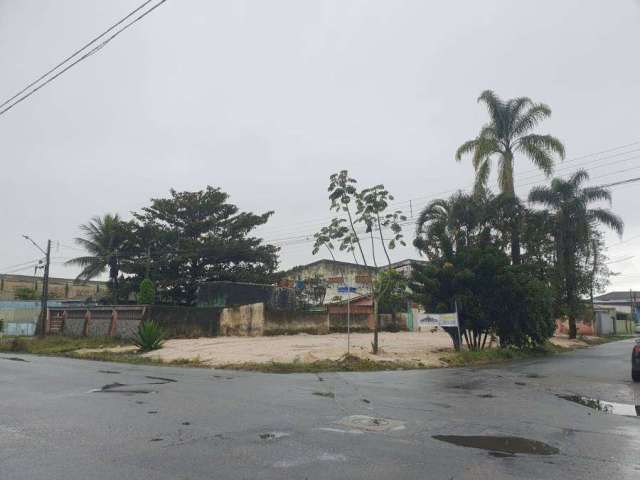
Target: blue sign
346, 289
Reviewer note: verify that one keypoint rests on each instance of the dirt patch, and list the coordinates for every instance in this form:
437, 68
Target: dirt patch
565, 342
420, 348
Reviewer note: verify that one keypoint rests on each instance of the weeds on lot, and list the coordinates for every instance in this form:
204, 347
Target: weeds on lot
55, 344
134, 358
346, 363
497, 355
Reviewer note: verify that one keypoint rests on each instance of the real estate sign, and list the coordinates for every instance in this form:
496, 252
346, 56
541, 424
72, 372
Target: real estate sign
426, 321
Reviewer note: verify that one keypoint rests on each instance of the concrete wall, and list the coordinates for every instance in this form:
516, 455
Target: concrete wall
244, 321
59, 288
583, 327
292, 322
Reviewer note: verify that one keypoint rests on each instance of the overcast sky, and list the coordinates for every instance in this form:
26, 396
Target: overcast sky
266, 99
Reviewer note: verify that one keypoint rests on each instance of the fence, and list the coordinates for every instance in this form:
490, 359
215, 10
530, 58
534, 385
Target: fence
123, 320
20, 317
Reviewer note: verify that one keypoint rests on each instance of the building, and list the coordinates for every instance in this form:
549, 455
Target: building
333, 276
12, 286
625, 303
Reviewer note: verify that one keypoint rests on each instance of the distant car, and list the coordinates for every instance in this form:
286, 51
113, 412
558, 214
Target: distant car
635, 362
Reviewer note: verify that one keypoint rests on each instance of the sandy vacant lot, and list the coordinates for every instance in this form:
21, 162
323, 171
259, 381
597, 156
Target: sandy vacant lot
401, 346
413, 347
424, 348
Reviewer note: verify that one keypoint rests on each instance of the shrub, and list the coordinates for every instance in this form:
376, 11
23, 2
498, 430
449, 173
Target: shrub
150, 336
146, 293
24, 293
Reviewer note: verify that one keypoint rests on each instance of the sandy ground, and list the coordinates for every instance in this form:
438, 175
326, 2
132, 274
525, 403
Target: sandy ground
414, 347
424, 348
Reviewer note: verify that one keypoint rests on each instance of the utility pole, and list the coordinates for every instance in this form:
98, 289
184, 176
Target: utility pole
45, 285
45, 290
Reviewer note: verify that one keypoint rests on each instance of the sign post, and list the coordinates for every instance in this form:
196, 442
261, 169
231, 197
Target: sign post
348, 290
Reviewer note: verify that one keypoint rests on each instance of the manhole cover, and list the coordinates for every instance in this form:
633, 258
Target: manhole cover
371, 424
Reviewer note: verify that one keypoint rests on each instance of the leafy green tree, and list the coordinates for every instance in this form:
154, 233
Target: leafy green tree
524, 316
506, 135
573, 228
391, 289
105, 240
196, 236
146, 292
491, 296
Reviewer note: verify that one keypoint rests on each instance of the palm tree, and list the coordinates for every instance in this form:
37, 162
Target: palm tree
104, 239
508, 134
574, 224
445, 226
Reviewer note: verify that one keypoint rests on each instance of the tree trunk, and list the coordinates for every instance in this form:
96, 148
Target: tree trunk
515, 244
375, 326
573, 330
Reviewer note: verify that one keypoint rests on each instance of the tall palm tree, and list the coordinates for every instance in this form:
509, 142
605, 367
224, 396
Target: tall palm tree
104, 239
508, 134
574, 224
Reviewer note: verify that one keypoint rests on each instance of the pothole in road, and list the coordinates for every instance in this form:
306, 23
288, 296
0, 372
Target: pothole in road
121, 388
273, 435
500, 444
15, 359
371, 424
615, 408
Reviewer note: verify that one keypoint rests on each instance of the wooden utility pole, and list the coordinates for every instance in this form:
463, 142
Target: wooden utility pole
45, 292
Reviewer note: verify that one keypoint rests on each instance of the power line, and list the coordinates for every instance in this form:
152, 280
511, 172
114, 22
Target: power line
83, 57
540, 176
84, 47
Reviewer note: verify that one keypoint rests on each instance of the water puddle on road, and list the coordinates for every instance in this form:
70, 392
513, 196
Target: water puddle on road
623, 409
499, 444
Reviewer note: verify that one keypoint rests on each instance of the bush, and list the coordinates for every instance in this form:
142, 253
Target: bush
146, 293
526, 309
150, 336
24, 293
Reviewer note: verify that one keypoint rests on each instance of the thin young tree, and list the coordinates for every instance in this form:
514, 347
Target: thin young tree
574, 221
503, 138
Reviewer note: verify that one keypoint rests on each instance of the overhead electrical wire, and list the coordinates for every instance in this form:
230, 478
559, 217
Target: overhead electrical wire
21, 96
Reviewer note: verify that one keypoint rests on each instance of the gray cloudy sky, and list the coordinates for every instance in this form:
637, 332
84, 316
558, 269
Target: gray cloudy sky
267, 98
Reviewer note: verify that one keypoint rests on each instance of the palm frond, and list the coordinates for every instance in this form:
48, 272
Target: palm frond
530, 119
482, 177
485, 147
579, 177
538, 156
544, 195
466, 147
594, 194
548, 143
608, 218
494, 105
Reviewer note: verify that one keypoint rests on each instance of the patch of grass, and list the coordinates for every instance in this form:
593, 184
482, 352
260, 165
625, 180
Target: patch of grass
344, 364
497, 355
54, 344
134, 358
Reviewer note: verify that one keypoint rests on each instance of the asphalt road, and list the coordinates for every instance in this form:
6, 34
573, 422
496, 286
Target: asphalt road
72, 419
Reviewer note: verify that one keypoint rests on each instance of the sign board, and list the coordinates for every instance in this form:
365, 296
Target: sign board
426, 321
345, 289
